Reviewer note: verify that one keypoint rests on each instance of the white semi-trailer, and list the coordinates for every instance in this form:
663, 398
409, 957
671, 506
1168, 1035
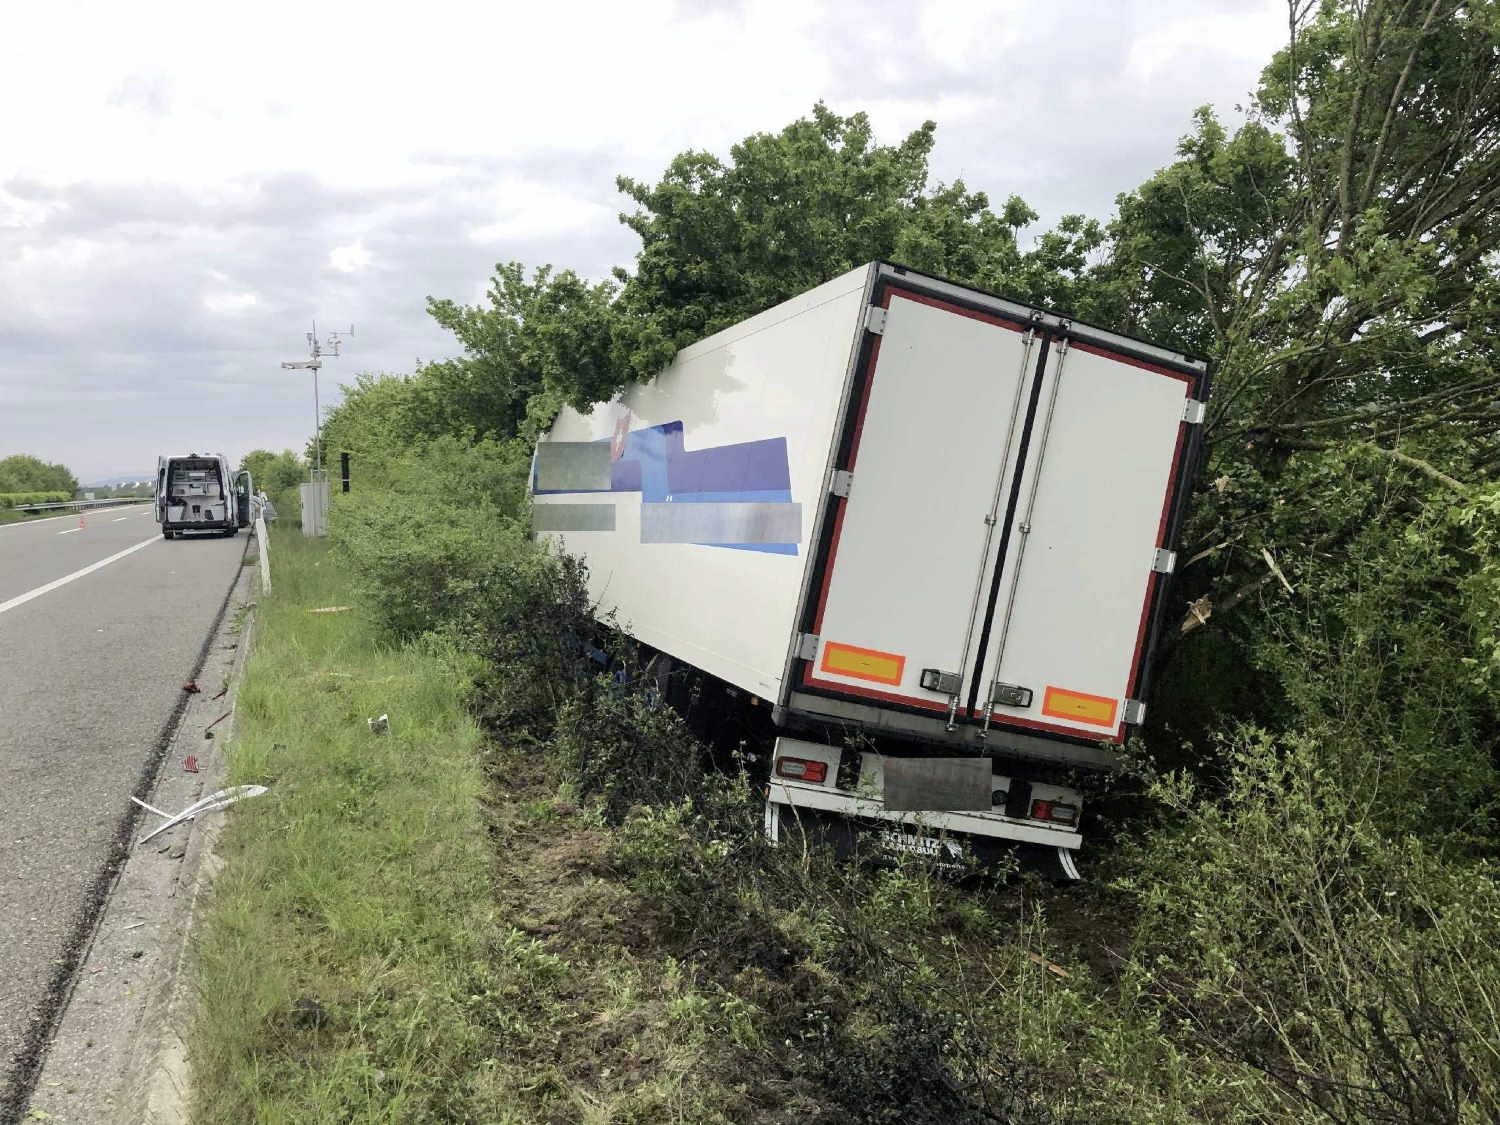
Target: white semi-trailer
929, 526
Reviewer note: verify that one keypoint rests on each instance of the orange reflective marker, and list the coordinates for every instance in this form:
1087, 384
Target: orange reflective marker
863, 663
1098, 710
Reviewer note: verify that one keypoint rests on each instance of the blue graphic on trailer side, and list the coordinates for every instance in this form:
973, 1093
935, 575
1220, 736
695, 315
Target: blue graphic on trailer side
654, 462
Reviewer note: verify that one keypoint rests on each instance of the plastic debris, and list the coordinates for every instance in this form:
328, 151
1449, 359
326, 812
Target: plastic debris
382, 725
191, 687
332, 609
190, 763
212, 803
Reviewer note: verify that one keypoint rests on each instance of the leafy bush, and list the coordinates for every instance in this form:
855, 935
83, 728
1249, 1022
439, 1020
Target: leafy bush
22, 499
451, 526
447, 549
21, 472
1282, 929
624, 751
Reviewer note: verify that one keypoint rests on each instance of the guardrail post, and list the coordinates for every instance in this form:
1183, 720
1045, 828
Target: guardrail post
265, 556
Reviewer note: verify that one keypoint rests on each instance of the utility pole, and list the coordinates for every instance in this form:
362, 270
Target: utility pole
317, 350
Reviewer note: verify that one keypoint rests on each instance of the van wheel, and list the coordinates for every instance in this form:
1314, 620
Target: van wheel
166, 534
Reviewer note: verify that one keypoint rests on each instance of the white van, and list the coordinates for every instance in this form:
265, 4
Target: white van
200, 492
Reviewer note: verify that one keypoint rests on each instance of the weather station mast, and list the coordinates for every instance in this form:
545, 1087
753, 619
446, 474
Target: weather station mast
315, 491
317, 349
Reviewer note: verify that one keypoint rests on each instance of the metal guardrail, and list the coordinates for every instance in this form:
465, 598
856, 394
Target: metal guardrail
75, 505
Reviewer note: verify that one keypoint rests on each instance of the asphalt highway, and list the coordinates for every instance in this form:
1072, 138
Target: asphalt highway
100, 627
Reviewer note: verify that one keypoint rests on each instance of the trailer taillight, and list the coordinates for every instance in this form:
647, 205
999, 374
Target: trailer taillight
1055, 811
802, 769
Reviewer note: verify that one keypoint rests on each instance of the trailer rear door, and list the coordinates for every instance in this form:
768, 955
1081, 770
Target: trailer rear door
932, 439
1011, 486
1074, 594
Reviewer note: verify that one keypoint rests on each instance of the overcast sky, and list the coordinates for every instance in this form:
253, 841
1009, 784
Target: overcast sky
182, 190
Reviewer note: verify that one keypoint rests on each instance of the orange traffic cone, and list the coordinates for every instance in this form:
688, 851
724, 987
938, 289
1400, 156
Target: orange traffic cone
82, 520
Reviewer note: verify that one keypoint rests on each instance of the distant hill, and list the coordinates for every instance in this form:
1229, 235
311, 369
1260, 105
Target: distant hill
113, 480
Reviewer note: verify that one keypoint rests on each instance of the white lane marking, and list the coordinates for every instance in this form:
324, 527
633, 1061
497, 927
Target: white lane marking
121, 519
50, 519
22, 599
70, 531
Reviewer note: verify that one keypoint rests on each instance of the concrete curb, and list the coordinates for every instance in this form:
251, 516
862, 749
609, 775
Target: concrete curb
118, 1053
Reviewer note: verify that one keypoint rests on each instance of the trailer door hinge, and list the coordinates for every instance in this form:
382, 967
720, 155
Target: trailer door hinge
807, 646
875, 320
1193, 411
1165, 561
843, 481
1134, 712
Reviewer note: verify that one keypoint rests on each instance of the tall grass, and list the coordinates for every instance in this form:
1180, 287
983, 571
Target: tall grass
352, 926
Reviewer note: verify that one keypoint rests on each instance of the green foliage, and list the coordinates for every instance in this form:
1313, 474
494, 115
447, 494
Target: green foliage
1480, 519
451, 526
22, 499
625, 751
274, 472
553, 335
278, 475
1281, 927
21, 472
723, 241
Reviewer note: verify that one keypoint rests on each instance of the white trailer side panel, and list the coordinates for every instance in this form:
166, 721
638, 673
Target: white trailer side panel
697, 523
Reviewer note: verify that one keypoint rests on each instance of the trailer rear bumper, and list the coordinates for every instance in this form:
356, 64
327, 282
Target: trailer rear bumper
947, 849
817, 799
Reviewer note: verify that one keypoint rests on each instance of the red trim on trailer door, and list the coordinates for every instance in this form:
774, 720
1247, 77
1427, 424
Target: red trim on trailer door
1154, 585
1141, 363
871, 693
948, 306
1116, 737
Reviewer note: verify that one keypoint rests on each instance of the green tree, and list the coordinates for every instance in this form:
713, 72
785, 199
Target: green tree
721, 241
21, 472
1334, 256
274, 472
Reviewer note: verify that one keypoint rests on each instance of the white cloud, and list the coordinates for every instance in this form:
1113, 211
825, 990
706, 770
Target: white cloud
966, 33
1250, 36
351, 258
230, 302
527, 209
184, 187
